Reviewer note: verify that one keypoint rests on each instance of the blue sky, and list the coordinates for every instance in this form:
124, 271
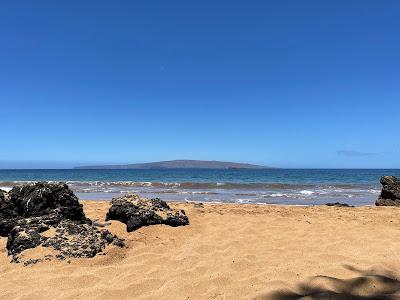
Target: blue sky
281, 83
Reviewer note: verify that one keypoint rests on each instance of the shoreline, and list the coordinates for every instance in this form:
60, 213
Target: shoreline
309, 199
179, 202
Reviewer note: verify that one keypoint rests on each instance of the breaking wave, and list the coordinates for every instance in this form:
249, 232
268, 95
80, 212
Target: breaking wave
274, 193
215, 185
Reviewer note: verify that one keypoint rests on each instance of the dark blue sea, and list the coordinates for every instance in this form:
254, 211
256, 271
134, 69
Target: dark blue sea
273, 186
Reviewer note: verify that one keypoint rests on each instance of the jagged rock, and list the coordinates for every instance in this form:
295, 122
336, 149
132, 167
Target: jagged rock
84, 240
390, 194
22, 238
137, 212
8, 214
32, 200
27, 211
51, 201
338, 204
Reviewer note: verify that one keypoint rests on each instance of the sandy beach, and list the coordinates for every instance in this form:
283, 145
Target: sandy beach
229, 251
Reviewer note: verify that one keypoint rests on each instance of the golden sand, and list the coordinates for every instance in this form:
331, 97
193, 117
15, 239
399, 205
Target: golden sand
228, 251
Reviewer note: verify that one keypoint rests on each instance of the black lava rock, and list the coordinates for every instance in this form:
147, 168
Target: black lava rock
84, 240
137, 212
8, 214
390, 194
42, 198
338, 204
22, 238
27, 211
51, 201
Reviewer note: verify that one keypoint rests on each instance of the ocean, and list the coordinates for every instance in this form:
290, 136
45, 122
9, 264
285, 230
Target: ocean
263, 186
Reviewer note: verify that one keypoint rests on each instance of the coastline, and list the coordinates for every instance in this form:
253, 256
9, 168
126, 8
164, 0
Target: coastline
266, 193
238, 251
271, 186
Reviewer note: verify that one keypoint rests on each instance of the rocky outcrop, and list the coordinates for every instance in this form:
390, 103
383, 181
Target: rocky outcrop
338, 204
52, 202
137, 212
2, 195
27, 212
44, 198
7, 214
390, 194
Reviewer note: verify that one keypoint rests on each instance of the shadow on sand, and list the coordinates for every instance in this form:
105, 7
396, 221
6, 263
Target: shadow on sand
367, 285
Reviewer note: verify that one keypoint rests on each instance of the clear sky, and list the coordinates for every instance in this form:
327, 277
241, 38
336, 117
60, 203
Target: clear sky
281, 83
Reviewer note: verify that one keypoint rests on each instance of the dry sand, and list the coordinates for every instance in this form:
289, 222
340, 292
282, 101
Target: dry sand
227, 252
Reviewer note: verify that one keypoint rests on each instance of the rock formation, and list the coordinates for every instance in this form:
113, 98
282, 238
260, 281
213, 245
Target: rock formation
7, 214
51, 202
27, 212
136, 212
390, 194
338, 204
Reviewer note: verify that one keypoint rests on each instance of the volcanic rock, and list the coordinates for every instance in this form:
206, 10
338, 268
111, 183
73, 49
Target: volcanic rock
24, 237
28, 211
136, 212
338, 204
7, 214
2, 195
84, 240
390, 194
40, 199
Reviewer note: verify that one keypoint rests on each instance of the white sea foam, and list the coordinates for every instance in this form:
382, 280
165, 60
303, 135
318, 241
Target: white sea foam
306, 192
5, 188
278, 195
243, 200
373, 191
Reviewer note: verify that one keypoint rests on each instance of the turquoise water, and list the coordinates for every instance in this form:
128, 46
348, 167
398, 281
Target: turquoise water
278, 186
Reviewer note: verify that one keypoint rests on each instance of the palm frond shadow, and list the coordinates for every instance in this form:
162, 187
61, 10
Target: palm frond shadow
366, 285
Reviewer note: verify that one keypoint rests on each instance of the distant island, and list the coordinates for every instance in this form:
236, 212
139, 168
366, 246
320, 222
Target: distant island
180, 164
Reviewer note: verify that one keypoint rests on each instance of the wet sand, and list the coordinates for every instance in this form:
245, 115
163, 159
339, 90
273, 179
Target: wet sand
229, 251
